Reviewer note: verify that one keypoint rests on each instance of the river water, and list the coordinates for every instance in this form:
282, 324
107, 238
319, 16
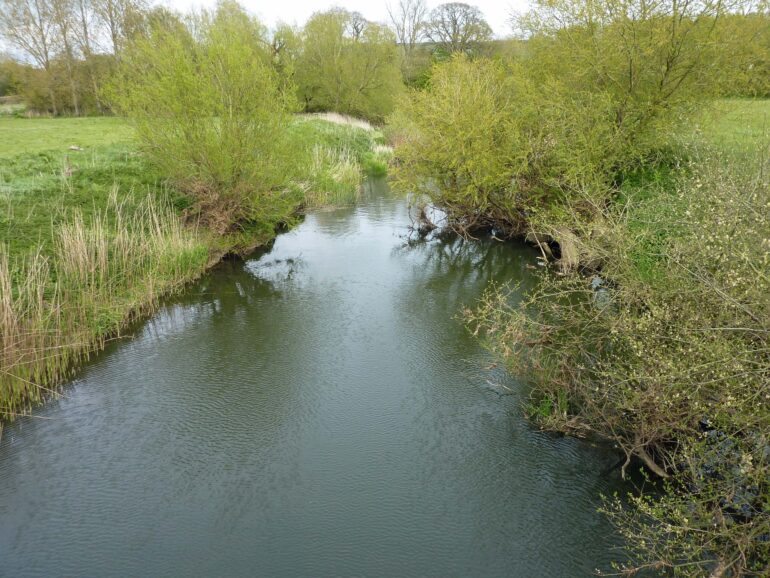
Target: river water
315, 410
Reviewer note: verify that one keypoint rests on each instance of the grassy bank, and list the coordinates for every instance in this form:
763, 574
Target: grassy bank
660, 346
92, 236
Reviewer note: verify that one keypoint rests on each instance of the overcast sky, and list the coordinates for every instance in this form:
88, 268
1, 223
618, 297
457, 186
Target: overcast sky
497, 12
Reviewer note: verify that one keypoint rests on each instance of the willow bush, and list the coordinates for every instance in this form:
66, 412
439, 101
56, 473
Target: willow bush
212, 114
596, 91
669, 361
348, 65
489, 147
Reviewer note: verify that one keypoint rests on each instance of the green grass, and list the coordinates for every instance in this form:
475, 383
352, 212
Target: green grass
32, 135
39, 191
737, 125
734, 131
367, 146
337, 158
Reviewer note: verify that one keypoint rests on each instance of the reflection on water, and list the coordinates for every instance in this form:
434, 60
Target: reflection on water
316, 410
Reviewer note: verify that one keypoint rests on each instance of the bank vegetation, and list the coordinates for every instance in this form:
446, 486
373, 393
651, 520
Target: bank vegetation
649, 328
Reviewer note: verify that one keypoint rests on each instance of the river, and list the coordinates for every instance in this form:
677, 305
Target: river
315, 410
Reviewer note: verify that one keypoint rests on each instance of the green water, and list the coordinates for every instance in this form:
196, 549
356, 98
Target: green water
315, 410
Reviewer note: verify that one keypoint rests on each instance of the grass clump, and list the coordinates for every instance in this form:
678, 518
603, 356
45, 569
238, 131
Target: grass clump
334, 177
58, 307
338, 153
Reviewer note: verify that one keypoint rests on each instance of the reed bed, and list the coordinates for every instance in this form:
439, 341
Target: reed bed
333, 177
55, 310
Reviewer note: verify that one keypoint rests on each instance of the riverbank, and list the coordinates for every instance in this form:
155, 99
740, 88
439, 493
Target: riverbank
660, 346
92, 236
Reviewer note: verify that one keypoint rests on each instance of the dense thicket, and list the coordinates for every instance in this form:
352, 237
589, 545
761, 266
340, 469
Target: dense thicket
598, 89
663, 350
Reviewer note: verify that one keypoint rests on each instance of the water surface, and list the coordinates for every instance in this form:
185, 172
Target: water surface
316, 410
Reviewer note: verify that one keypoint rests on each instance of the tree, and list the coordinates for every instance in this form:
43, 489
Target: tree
8, 75
356, 25
457, 27
651, 61
210, 112
29, 26
285, 44
120, 18
408, 21
85, 34
63, 15
346, 68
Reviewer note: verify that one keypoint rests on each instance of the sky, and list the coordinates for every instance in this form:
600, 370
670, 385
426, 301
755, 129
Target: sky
497, 12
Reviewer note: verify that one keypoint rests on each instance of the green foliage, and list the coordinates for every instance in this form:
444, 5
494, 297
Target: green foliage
747, 51
334, 158
665, 354
8, 77
486, 145
594, 92
348, 66
211, 114
457, 27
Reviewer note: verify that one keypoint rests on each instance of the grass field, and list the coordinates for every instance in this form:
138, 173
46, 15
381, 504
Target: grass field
32, 135
738, 125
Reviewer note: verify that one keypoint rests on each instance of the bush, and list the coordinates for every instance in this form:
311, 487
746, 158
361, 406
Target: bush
489, 148
672, 366
210, 113
594, 92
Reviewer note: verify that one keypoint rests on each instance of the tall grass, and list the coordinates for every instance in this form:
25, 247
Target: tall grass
55, 310
333, 177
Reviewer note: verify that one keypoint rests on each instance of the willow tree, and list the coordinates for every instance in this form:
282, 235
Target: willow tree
30, 27
653, 61
348, 66
408, 20
211, 113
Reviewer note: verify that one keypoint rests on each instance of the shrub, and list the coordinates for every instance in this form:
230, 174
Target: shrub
672, 365
348, 65
486, 146
210, 113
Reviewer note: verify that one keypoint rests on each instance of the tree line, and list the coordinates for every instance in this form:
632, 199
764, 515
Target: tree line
65, 51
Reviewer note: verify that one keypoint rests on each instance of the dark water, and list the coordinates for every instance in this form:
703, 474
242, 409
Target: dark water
314, 411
